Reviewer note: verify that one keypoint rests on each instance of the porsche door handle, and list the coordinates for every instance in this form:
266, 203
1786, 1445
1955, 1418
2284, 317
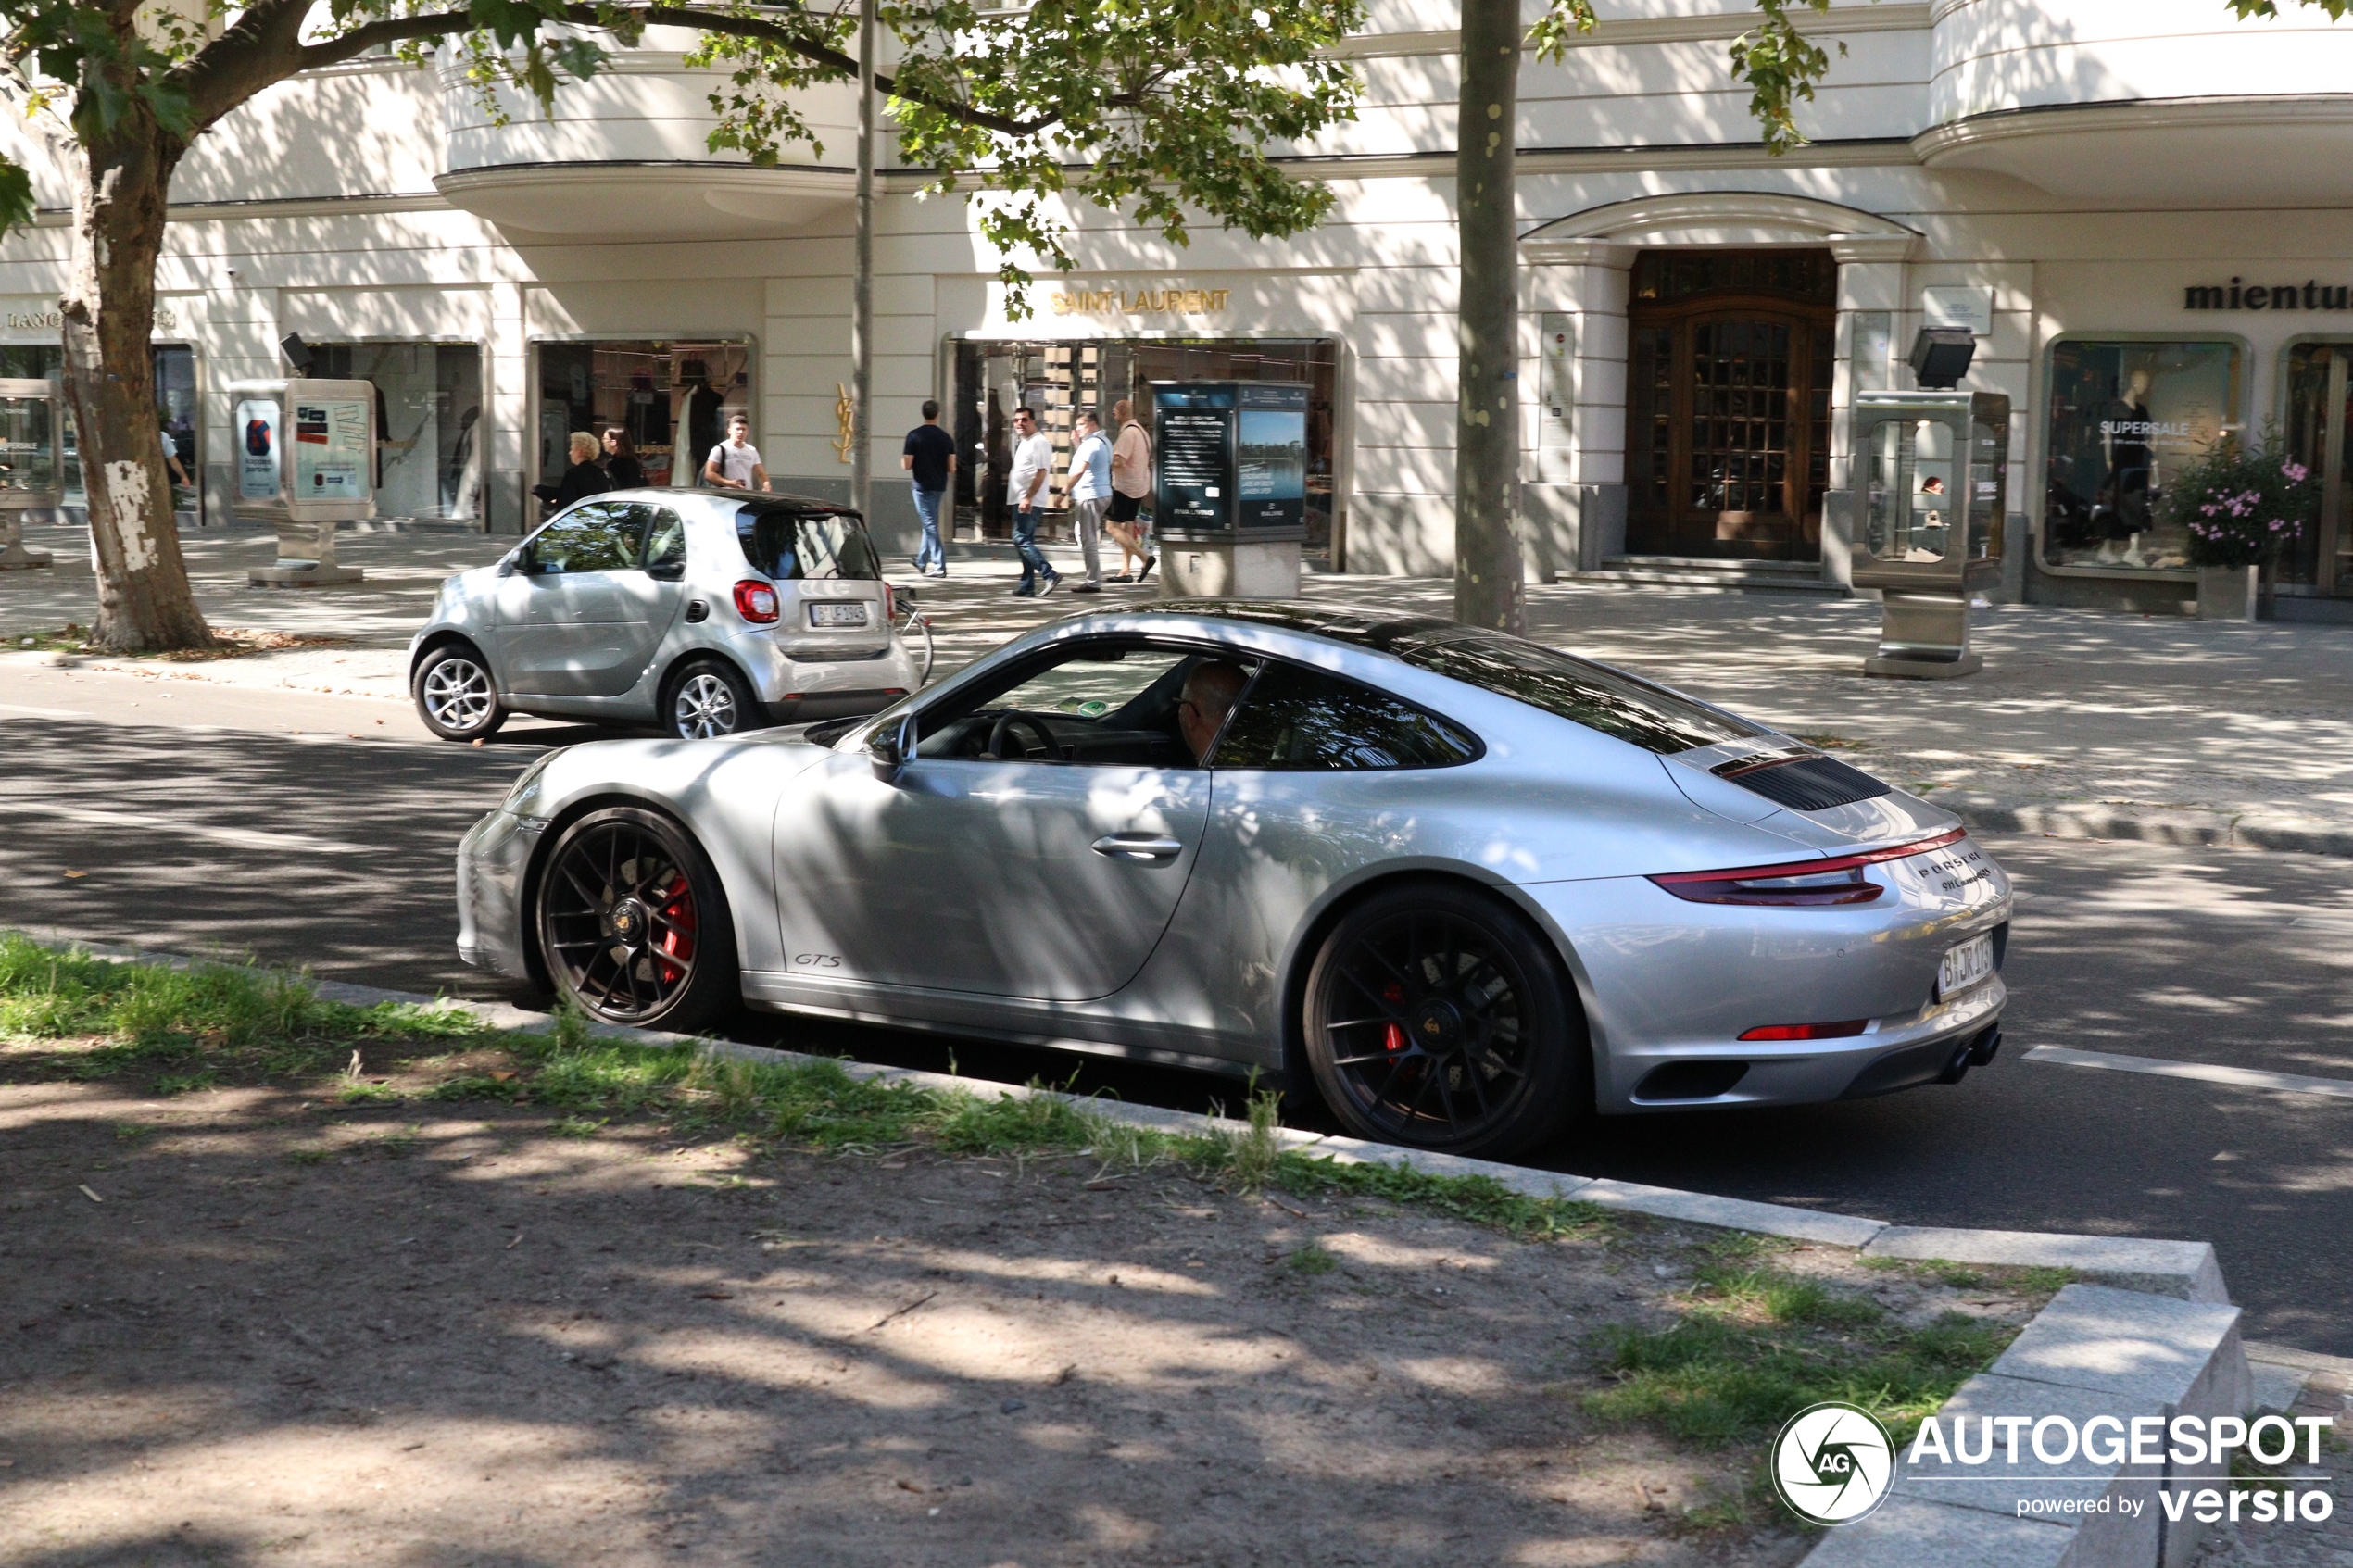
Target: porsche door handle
1137, 846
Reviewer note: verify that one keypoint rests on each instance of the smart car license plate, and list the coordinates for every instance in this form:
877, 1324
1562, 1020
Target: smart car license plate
1967, 965
852, 614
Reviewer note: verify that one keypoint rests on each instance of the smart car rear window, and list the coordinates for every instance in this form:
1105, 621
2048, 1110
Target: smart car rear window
794, 546
1592, 694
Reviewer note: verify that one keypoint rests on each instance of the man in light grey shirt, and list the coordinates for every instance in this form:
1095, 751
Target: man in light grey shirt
1089, 497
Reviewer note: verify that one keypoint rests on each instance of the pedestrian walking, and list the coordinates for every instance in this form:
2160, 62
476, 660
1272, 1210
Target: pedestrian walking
734, 463
1131, 480
1026, 492
580, 480
621, 461
1090, 493
930, 462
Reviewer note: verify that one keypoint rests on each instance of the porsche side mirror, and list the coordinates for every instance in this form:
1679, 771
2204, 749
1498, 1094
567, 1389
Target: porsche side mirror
891, 748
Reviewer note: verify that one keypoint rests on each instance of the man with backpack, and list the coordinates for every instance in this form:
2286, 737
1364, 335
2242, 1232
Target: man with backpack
1131, 480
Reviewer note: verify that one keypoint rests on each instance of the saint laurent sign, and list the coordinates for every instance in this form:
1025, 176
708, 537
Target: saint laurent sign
50, 320
1138, 302
2311, 295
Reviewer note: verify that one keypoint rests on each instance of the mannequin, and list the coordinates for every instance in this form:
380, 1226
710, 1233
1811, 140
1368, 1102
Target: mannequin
2124, 426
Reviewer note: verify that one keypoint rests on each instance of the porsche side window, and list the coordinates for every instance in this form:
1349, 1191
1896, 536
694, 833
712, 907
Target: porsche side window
600, 536
1094, 704
1297, 720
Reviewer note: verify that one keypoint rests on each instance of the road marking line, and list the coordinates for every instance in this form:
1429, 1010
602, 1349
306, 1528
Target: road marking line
2206, 1072
43, 712
244, 838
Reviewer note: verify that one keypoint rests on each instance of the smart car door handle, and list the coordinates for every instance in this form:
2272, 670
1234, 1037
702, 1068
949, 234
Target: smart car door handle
1137, 846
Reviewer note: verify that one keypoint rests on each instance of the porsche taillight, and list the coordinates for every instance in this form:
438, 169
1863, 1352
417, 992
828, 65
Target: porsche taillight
1821, 884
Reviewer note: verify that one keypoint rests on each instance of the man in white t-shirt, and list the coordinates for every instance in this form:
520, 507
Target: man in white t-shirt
734, 464
1026, 492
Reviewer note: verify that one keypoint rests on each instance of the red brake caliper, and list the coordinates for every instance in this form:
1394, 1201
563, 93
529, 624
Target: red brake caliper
678, 940
1392, 1037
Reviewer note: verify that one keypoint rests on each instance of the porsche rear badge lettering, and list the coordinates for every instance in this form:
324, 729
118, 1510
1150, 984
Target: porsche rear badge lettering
816, 960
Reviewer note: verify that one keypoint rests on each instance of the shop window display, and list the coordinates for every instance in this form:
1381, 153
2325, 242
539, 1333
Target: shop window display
1057, 379
674, 399
428, 419
175, 388
2125, 418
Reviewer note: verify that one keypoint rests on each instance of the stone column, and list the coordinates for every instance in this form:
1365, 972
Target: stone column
1871, 283
1571, 522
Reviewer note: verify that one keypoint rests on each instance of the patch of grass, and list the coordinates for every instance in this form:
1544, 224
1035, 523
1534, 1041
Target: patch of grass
1479, 1199
310, 1156
173, 1084
131, 1132
369, 1094
577, 1127
1753, 1346
1311, 1261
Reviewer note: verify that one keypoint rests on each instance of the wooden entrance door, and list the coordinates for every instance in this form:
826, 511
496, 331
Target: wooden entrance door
1729, 405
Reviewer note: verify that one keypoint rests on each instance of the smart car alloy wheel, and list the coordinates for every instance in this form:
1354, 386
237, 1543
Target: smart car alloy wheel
709, 701
1435, 1019
632, 923
455, 695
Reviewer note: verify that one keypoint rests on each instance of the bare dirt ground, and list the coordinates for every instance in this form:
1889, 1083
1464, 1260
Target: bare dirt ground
257, 1326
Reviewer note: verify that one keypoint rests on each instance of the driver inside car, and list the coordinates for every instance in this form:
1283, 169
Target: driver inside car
1210, 692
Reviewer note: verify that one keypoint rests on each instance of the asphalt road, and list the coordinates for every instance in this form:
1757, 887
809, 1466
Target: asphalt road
317, 831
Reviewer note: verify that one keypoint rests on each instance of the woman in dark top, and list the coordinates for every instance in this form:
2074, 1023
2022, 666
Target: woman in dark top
582, 480
621, 461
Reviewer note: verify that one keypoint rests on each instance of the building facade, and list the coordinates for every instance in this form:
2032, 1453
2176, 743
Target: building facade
2131, 202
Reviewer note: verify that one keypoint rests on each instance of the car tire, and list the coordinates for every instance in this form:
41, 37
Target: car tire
709, 698
633, 924
456, 694
1436, 1018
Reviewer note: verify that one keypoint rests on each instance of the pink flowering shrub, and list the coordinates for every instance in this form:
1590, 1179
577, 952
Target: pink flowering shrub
2242, 505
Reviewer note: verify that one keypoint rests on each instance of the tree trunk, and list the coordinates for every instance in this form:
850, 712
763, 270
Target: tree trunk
144, 603
1487, 559
861, 288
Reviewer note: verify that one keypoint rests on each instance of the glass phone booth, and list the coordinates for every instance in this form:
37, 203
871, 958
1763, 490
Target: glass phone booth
31, 415
1932, 468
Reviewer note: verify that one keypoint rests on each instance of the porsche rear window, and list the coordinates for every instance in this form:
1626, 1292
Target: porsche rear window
1592, 694
788, 546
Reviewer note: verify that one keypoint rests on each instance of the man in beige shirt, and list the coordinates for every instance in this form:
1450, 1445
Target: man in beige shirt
1131, 480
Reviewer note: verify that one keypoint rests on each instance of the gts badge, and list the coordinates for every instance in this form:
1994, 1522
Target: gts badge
816, 960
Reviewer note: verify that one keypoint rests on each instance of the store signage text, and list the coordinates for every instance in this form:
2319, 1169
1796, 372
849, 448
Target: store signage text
2311, 295
1139, 302
36, 321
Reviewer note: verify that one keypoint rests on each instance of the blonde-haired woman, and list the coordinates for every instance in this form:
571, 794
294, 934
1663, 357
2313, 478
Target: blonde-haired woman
582, 479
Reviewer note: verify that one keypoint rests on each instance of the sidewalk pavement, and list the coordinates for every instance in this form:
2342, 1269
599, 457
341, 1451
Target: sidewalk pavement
2083, 724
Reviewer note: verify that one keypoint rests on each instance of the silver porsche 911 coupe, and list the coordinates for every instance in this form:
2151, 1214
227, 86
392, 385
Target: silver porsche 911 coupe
1469, 888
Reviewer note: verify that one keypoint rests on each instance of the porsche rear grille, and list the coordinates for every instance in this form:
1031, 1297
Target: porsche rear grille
1807, 784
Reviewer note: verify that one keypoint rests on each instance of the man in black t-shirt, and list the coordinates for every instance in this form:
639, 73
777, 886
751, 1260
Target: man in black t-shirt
930, 462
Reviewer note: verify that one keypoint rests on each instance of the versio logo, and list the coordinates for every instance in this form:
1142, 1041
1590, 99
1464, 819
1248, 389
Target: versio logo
1833, 1463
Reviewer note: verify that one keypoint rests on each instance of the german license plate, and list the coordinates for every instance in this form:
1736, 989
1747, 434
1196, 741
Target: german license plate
1970, 964
850, 614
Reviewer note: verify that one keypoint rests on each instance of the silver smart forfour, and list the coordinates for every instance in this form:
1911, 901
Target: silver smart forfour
702, 612
1468, 887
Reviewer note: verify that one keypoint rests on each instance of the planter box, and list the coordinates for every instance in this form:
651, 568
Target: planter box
2227, 593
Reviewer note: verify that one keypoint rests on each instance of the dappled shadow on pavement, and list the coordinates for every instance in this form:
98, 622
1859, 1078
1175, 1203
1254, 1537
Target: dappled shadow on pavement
438, 1335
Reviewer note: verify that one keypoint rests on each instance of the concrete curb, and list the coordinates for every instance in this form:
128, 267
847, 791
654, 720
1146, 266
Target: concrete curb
2282, 831
2156, 1328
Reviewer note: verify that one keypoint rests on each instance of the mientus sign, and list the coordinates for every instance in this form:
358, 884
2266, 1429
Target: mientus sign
2311, 294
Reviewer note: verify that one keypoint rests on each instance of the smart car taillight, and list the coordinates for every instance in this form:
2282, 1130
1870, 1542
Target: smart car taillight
1798, 884
756, 601
1808, 1031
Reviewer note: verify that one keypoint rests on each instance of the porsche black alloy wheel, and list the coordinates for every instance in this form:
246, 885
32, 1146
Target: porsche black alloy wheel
1436, 1018
633, 922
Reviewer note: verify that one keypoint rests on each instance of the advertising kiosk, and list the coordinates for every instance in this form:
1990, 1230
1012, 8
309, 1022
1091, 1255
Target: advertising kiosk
305, 461
1229, 487
1932, 467
31, 473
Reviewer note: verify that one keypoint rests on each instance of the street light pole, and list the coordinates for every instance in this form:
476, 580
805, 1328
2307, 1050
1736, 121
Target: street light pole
862, 296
